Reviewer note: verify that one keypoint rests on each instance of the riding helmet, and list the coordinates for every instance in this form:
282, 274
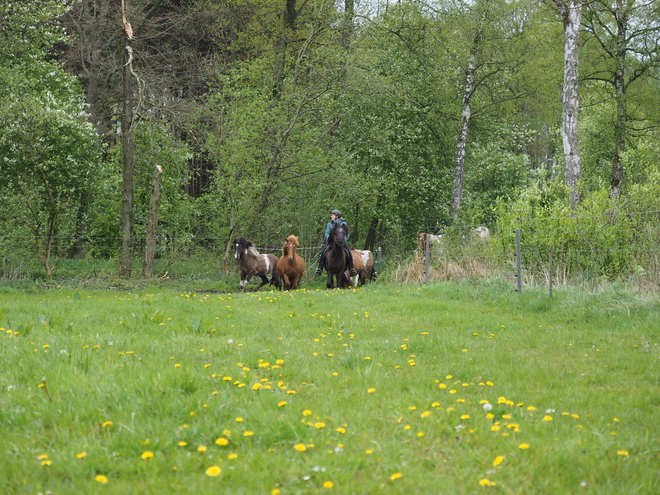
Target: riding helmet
336, 213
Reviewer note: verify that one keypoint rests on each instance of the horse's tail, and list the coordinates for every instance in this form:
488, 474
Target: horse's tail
276, 279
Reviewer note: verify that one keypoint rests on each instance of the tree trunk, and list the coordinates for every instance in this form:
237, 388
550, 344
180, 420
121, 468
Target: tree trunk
620, 126
459, 162
571, 13
152, 228
126, 259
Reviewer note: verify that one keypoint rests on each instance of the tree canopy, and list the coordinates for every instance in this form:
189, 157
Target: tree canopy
267, 114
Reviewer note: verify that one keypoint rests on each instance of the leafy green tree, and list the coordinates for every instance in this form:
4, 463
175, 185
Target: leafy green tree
49, 149
622, 39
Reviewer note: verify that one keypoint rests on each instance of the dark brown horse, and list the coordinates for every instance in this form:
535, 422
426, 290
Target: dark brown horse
290, 267
251, 263
336, 263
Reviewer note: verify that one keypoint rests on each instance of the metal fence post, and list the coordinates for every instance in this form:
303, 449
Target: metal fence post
428, 255
518, 270
550, 270
378, 260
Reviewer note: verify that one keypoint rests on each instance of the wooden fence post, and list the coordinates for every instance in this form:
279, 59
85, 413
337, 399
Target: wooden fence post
152, 228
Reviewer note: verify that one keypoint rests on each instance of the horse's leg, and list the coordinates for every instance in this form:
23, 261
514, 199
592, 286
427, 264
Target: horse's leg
329, 282
264, 281
245, 279
287, 284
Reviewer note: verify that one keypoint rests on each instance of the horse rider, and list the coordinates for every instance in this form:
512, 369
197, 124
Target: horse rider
335, 216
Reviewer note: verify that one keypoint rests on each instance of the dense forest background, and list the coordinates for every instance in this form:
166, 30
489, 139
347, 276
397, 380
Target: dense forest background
264, 115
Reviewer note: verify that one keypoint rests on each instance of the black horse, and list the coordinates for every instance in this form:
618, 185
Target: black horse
336, 262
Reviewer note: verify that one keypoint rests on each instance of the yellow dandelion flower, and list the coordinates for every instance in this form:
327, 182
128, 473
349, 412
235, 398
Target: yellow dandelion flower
442, 385
531, 408
46, 462
105, 424
100, 478
276, 491
547, 418
300, 447
248, 433
307, 412
425, 414
371, 390
147, 454
232, 456
239, 420
82, 455
201, 448
183, 443
213, 471
465, 416
498, 460
523, 446
281, 404
341, 430
623, 452
319, 424
396, 476
368, 451
222, 441
495, 428
328, 484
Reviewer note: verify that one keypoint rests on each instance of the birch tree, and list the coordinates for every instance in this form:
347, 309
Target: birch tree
570, 12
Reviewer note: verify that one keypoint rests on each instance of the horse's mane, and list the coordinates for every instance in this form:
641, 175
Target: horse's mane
249, 245
335, 227
293, 239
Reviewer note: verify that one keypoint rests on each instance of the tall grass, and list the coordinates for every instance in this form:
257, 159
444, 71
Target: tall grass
450, 388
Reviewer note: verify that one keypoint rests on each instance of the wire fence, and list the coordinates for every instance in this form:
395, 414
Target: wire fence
585, 251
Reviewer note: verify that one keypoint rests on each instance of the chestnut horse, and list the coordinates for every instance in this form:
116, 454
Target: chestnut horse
290, 267
251, 263
336, 263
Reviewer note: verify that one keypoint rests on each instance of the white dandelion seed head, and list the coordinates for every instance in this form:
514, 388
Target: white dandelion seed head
488, 407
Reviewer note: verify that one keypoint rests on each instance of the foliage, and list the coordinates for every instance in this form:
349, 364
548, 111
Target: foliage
605, 238
48, 152
265, 115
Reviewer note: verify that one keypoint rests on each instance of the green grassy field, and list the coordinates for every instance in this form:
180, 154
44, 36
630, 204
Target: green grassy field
452, 388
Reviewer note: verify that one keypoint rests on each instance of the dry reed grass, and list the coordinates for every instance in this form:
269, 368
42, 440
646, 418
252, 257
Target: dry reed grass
414, 271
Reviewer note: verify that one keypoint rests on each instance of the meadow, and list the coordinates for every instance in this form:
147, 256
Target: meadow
461, 387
